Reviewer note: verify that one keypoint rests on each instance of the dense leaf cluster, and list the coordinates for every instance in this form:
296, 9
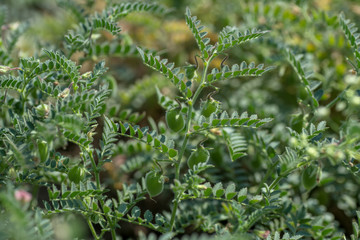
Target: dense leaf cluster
265, 159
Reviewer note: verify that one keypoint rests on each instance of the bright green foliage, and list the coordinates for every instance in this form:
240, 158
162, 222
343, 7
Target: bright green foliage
271, 158
197, 30
224, 120
237, 145
81, 37
231, 36
156, 141
304, 77
351, 34
237, 71
168, 70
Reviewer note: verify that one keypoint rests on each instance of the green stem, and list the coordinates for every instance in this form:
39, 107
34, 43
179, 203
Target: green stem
113, 233
92, 229
332, 103
273, 184
96, 172
98, 185
173, 214
267, 175
187, 136
110, 221
286, 173
23, 93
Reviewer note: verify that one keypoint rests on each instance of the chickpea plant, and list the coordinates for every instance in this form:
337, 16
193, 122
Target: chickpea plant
188, 121
47, 102
72, 111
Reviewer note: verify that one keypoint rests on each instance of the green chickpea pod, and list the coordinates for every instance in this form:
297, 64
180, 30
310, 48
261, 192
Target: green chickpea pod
201, 155
154, 182
175, 120
310, 176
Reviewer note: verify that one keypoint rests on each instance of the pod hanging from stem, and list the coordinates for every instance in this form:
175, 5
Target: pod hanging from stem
210, 105
175, 119
200, 155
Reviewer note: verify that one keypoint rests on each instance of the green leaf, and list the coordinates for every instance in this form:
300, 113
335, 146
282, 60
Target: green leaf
172, 153
123, 9
148, 216
158, 142
350, 31
196, 29
67, 66
159, 219
237, 145
158, 64
298, 67
255, 199
11, 82
289, 159
231, 36
242, 195
107, 209
47, 206
207, 192
135, 212
223, 120
101, 23
217, 190
237, 71
95, 206
230, 191
122, 207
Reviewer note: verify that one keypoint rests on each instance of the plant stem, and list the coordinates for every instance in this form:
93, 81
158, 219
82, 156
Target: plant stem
285, 174
332, 103
113, 233
96, 172
92, 229
267, 175
98, 185
187, 136
110, 221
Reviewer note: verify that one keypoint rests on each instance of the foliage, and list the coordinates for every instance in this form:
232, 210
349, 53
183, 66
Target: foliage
256, 138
